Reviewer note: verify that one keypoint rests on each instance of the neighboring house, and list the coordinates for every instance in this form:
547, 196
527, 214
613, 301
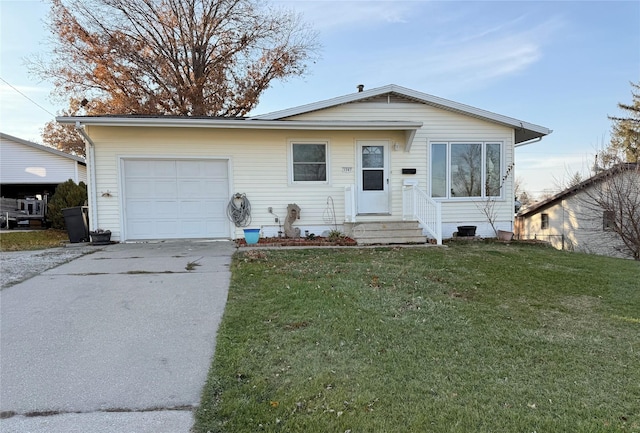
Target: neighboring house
575, 219
376, 156
30, 169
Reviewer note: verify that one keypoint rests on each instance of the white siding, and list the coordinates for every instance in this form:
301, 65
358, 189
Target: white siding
22, 164
573, 226
259, 164
439, 125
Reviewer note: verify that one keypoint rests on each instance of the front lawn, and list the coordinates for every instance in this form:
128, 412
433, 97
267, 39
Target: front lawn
475, 337
32, 239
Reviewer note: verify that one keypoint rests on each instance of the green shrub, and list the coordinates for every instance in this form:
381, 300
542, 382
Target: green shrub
335, 235
68, 194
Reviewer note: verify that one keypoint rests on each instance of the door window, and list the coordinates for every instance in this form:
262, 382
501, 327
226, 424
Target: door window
373, 168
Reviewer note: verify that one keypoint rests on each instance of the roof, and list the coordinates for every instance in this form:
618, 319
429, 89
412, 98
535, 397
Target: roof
409, 128
524, 131
236, 122
42, 147
577, 188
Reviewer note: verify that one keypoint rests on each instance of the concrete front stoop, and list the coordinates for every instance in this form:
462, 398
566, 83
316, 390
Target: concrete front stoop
385, 232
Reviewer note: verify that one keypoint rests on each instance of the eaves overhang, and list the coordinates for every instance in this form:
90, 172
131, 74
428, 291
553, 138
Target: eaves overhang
409, 128
524, 131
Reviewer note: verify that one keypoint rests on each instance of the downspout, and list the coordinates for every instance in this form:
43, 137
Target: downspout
93, 196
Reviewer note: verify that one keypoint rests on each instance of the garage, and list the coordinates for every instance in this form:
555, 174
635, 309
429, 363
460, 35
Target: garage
175, 198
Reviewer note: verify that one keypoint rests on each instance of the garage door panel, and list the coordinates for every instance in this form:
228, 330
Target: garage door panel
191, 228
138, 208
142, 229
138, 169
139, 188
166, 229
164, 169
216, 188
164, 188
215, 208
167, 199
192, 209
190, 169
202, 169
163, 209
188, 188
214, 226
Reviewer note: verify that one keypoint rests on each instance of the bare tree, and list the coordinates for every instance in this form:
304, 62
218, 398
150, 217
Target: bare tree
613, 196
521, 194
575, 179
178, 57
489, 205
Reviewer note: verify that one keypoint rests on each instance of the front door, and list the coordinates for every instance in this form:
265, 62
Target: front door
373, 177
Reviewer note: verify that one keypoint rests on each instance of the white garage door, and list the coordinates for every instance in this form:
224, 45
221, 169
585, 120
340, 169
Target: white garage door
175, 199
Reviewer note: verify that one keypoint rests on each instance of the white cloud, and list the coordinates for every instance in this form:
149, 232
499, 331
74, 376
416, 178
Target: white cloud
462, 60
345, 15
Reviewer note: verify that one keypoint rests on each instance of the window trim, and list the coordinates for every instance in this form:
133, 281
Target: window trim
608, 220
327, 157
483, 169
544, 221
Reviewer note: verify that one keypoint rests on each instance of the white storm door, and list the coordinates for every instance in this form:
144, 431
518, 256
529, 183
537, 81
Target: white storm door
373, 177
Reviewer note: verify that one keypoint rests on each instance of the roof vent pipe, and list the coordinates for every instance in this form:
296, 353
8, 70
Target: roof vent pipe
360, 87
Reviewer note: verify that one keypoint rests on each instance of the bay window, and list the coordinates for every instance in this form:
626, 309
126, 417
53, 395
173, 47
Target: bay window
466, 169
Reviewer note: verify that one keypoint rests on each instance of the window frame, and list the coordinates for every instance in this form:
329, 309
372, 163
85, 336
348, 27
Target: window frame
483, 169
608, 220
291, 162
544, 221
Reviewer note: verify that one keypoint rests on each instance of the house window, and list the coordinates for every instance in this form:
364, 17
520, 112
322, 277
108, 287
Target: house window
309, 162
608, 220
544, 221
465, 170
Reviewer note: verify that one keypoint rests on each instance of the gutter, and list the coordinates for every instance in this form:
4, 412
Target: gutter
93, 195
226, 123
524, 143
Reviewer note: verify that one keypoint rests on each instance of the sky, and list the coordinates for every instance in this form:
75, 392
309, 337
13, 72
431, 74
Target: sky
564, 65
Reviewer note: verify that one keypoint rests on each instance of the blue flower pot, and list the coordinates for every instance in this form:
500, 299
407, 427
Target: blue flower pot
251, 236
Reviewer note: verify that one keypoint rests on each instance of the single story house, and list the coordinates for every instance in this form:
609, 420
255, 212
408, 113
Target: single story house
582, 218
31, 169
360, 163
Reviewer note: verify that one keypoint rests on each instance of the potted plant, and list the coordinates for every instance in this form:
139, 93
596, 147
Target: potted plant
100, 237
251, 236
504, 235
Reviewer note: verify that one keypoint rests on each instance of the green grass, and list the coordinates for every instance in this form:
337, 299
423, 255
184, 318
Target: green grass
477, 337
32, 240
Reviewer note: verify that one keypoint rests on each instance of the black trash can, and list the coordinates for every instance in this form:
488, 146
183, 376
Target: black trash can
76, 221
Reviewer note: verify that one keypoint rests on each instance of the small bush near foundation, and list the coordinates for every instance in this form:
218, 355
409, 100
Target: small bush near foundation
68, 194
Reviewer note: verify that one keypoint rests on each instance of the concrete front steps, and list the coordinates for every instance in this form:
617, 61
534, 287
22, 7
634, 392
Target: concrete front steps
385, 232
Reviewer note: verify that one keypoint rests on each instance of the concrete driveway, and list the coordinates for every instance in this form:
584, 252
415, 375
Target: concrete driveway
120, 340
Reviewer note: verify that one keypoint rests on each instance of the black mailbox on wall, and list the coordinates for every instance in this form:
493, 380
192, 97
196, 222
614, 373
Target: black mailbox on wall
408, 171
